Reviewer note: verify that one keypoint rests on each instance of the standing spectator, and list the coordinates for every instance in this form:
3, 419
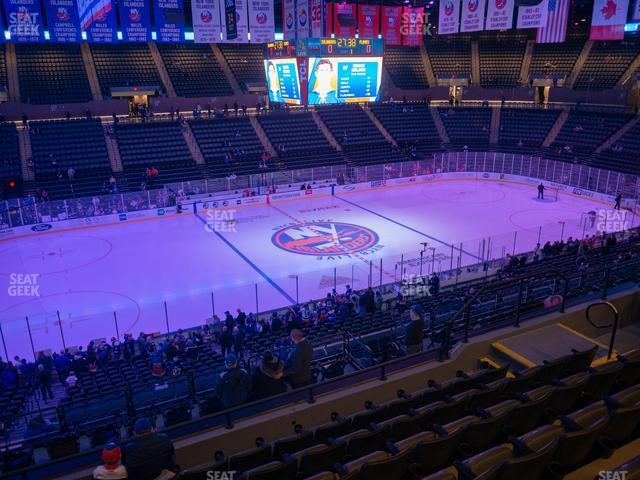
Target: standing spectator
233, 388
71, 173
434, 284
415, 330
149, 454
298, 367
43, 378
9, 377
267, 379
238, 341
226, 341
112, 468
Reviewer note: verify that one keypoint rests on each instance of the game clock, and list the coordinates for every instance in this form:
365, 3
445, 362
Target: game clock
326, 47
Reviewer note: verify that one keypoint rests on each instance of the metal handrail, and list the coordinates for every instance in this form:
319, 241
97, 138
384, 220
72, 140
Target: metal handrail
616, 317
465, 310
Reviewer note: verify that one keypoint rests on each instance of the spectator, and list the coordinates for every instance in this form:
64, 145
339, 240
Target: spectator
267, 379
71, 173
43, 378
233, 388
415, 330
149, 454
112, 468
226, 341
38, 426
298, 367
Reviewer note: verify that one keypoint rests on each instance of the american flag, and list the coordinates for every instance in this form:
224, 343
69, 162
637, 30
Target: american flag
555, 30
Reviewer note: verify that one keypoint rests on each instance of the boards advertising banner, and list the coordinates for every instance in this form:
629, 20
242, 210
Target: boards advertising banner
135, 20
472, 15
24, 20
206, 21
98, 20
169, 20
344, 20
261, 21
63, 21
449, 17
368, 21
499, 14
392, 25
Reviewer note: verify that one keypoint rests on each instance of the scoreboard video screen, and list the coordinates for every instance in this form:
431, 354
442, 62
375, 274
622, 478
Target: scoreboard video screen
328, 70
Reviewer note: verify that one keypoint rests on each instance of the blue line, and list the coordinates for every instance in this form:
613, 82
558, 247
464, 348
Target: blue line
406, 226
251, 264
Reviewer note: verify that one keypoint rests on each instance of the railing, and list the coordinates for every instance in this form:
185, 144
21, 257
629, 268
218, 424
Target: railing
616, 316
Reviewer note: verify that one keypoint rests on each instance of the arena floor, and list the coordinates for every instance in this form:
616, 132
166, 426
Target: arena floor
184, 267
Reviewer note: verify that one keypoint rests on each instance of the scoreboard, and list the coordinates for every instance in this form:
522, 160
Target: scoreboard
323, 47
318, 71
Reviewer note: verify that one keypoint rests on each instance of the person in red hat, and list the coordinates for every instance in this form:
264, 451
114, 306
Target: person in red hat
112, 468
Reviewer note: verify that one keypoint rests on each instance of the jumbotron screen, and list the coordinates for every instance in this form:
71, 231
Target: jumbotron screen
344, 79
283, 82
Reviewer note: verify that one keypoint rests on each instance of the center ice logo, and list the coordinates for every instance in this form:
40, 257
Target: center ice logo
325, 238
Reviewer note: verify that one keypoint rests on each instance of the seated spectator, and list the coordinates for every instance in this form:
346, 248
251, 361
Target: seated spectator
112, 468
233, 388
267, 379
150, 454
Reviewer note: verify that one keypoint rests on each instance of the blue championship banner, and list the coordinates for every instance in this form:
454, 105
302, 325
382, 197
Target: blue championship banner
24, 20
135, 20
63, 21
169, 20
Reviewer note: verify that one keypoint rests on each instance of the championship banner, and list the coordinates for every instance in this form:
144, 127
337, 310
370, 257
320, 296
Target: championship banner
500, 15
289, 19
635, 14
2, 29
392, 25
368, 21
261, 21
242, 26
532, 13
228, 13
472, 15
344, 20
98, 20
608, 19
169, 20
302, 18
135, 20
413, 25
448, 18
63, 20
206, 21
25, 22
316, 8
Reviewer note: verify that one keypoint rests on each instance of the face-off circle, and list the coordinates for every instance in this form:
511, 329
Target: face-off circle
325, 238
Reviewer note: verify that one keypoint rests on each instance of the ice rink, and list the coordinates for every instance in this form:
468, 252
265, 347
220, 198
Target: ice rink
175, 271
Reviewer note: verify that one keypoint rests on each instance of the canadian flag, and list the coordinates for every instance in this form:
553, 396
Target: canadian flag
608, 19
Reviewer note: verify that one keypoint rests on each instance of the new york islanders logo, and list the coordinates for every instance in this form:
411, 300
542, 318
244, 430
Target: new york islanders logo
325, 238
302, 17
472, 5
448, 8
135, 15
501, 3
290, 20
261, 18
206, 16
63, 14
